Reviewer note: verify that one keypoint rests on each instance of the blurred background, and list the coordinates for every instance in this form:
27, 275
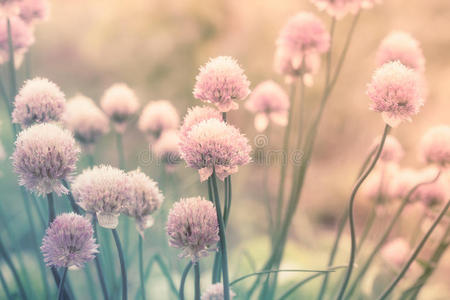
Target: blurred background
157, 46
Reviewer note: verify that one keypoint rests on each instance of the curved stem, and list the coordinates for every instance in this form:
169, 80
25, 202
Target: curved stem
141, 267
9, 263
183, 280
416, 252
61, 283
351, 216
5, 286
123, 269
197, 281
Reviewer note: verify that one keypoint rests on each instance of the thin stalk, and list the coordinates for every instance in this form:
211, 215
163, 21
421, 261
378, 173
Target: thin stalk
351, 213
5, 286
298, 285
141, 267
366, 230
223, 243
90, 158
98, 265
183, 280
73, 204
385, 236
11, 63
416, 252
61, 284
9, 263
166, 274
418, 227
329, 54
123, 269
265, 186
120, 153
197, 281
51, 208
34, 201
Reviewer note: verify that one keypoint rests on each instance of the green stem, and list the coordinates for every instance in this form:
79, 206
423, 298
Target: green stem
98, 265
298, 285
223, 243
61, 284
141, 267
197, 280
166, 274
367, 227
91, 161
73, 204
5, 286
51, 208
416, 252
123, 269
120, 153
9, 263
183, 280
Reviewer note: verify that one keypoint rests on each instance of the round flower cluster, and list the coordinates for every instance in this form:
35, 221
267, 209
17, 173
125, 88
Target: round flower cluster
21, 35
379, 185
167, 149
32, 11
196, 115
215, 292
157, 117
268, 101
85, 120
221, 81
401, 46
397, 92
69, 242
192, 226
213, 145
38, 101
435, 145
392, 150
146, 199
283, 65
120, 103
45, 155
103, 190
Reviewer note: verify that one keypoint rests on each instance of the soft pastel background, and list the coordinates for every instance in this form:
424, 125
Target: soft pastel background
157, 46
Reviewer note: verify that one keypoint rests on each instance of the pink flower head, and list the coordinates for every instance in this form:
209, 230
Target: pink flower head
147, 198
196, 115
120, 103
379, 185
221, 81
338, 8
401, 46
85, 120
158, 116
435, 145
192, 226
9, 8
432, 192
22, 38
69, 242
268, 101
396, 252
215, 292
285, 64
34, 10
397, 92
392, 150
167, 149
213, 145
45, 154
38, 101
103, 190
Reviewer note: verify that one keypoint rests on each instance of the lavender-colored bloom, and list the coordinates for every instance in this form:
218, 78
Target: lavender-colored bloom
269, 102
147, 198
192, 226
215, 292
396, 252
284, 65
214, 145
22, 38
221, 81
45, 154
69, 242
120, 103
392, 150
85, 120
158, 116
435, 145
196, 115
397, 92
38, 101
401, 46
167, 149
103, 190
34, 10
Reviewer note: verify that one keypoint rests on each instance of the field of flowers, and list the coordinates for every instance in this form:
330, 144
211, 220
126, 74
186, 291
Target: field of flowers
217, 150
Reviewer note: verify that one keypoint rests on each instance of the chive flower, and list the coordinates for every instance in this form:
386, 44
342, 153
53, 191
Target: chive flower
435, 145
167, 149
396, 252
157, 117
22, 37
196, 115
32, 11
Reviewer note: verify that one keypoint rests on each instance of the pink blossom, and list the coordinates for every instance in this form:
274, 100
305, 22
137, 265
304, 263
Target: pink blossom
435, 145
197, 114
284, 65
22, 38
157, 117
392, 150
34, 10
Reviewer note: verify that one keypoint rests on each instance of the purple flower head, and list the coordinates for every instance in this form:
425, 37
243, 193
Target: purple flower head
22, 38
221, 81
192, 226
147, 198
268, 101
120, 103
401, 46
215, 292
85, 120
32, 11
214, 145
69, 242
397, 92
286, 63
167, 149
103, 190
392, 150
38, 101
435, 145
158, 116
45, 154
196, 115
